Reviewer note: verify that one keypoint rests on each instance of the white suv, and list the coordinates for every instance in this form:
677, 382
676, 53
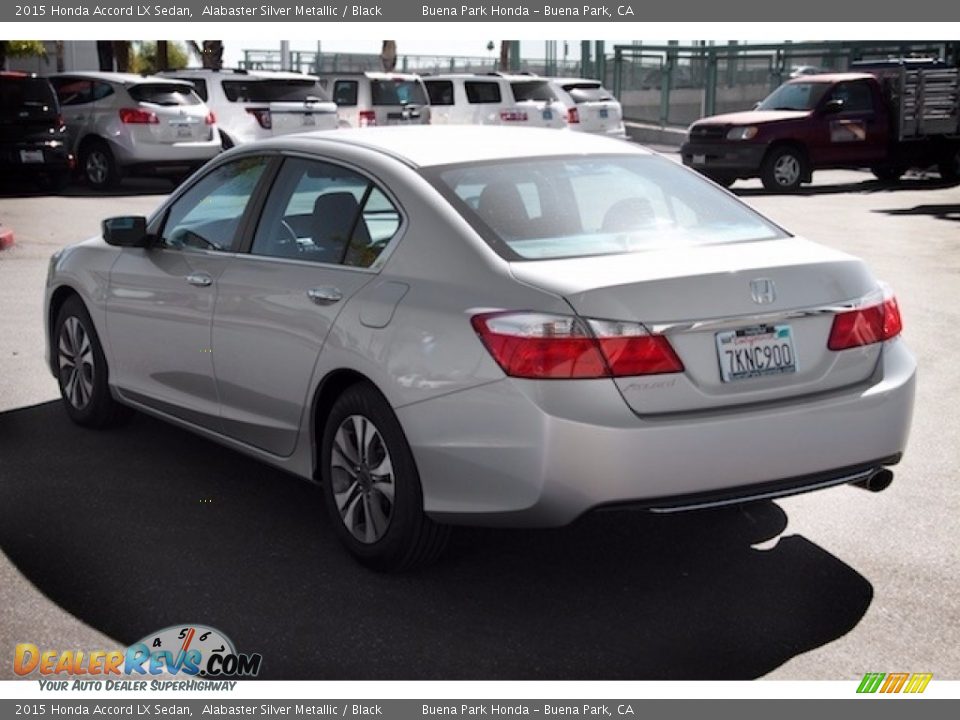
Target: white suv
494, 99
365, 99
590, 106
255, 104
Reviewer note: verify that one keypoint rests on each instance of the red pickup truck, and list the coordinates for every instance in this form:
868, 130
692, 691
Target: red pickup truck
889, 118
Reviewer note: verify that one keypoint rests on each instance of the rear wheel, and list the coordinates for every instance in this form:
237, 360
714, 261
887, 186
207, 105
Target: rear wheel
950, 166
372, 487
784, 169
98, 165
887, 173
82, 368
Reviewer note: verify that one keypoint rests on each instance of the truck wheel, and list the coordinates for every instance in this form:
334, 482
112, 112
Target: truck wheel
887, 173
950, 166
784, 169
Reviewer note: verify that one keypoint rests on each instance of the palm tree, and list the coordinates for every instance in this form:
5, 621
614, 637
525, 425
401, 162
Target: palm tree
210, 53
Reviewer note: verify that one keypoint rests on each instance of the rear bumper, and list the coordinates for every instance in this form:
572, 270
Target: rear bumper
56, 157
526, 454
186, 154
742, 159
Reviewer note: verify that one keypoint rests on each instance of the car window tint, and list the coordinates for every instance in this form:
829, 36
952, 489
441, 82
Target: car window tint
397, 92
207, 216
440, 92
482, 92
544, 208
31, 95
199, 87
325, 213
539, 91
856, 96
164, 94
102, 90
273, 90
73, 91
345, 92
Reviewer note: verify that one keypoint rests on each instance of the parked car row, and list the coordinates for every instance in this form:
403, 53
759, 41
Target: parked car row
107, 125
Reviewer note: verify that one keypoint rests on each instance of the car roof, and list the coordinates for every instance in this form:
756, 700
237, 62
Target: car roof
429, 145
575, 80
122, 78
232, 73
833, 77
371, 75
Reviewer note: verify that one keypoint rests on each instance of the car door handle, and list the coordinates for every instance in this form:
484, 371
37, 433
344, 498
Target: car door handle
200, 279
324, 295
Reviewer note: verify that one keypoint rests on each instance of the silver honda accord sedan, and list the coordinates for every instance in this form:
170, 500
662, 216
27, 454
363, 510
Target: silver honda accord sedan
487, 326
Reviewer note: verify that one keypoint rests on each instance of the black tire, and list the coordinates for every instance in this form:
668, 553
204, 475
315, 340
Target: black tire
949, 167
887, 173
86, 399
408, 538
98, 166
784, 169
720, 179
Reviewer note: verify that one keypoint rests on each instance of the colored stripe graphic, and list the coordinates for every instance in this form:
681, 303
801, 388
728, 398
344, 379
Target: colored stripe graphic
914, 683
894, 682
918, 682
871, 682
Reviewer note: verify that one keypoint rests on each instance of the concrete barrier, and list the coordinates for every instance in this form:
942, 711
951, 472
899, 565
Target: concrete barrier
647, 134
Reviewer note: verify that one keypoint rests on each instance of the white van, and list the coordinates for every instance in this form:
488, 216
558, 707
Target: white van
494, 99
255, 104
365, 99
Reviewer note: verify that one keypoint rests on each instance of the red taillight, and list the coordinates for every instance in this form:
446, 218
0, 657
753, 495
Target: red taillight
554, 347
368, 118
263, 117
136, 116
210, 119
865, 326
573, 115
513, 116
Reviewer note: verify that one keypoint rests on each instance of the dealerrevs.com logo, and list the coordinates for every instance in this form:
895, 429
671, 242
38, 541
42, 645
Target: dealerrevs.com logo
892, 683
179, 650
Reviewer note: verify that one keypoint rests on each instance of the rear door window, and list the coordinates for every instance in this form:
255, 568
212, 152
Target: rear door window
538, 91
440, 92
397, 92
345, 92
482, 93
272, 90
33, 94
583, 93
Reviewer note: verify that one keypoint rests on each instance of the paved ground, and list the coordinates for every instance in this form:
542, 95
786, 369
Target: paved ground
106, 535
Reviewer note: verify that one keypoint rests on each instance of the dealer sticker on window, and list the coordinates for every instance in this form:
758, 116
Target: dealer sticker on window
756, 351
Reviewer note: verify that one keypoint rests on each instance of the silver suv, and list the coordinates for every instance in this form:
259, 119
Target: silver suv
120, 124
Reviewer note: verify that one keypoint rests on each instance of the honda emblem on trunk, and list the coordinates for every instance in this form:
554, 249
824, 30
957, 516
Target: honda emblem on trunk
763, 291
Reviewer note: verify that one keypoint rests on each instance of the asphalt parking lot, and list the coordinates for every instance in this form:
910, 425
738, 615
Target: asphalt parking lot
111, 535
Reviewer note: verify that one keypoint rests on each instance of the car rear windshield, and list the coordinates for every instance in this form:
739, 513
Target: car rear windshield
795, 96
561, 207
538, 90
588, 92
273, 90
32, 93
164, 94
397, 92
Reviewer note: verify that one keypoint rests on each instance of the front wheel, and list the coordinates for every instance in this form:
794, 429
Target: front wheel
372, 487
783, 169
82, 368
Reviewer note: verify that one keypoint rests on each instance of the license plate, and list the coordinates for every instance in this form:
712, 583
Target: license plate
756, 352
31, 156
699, 159
604, 113
309, 120
548, 114
184, 131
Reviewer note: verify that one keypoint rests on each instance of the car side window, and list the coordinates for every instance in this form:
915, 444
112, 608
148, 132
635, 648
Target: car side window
207, 216
102, 90
856, 96
345, 92
440, 92
482, 93
73, 91
325, 213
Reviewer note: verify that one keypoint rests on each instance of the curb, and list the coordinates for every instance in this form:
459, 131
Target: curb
6, 238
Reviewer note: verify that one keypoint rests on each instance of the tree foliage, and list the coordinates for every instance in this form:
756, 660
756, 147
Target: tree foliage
143, 57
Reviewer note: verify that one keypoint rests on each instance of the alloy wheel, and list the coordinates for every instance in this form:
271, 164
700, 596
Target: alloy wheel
76, 363
97, 167
786, 170
363, 480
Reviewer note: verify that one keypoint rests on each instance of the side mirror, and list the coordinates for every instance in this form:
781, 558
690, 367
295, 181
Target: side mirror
126, 231
832, 106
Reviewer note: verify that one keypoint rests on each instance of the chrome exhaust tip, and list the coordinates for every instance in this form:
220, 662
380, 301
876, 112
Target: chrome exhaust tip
878, 482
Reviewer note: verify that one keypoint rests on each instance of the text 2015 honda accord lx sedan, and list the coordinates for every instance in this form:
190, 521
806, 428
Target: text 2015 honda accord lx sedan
486, 326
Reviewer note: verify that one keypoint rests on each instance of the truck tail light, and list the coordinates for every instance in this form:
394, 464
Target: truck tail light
555, 347
263, 117
211, 118
866, 325
573, 116
368, 118
136, 116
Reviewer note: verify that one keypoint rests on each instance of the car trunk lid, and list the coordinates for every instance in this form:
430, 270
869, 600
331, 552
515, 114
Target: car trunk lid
304, 116
181, 117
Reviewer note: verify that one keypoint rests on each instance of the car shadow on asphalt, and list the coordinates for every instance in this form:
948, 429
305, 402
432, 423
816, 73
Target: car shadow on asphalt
917, 182
131, 187
146, 526
941, 212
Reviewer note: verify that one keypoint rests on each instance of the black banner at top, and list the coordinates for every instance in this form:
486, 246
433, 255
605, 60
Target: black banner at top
608, 11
